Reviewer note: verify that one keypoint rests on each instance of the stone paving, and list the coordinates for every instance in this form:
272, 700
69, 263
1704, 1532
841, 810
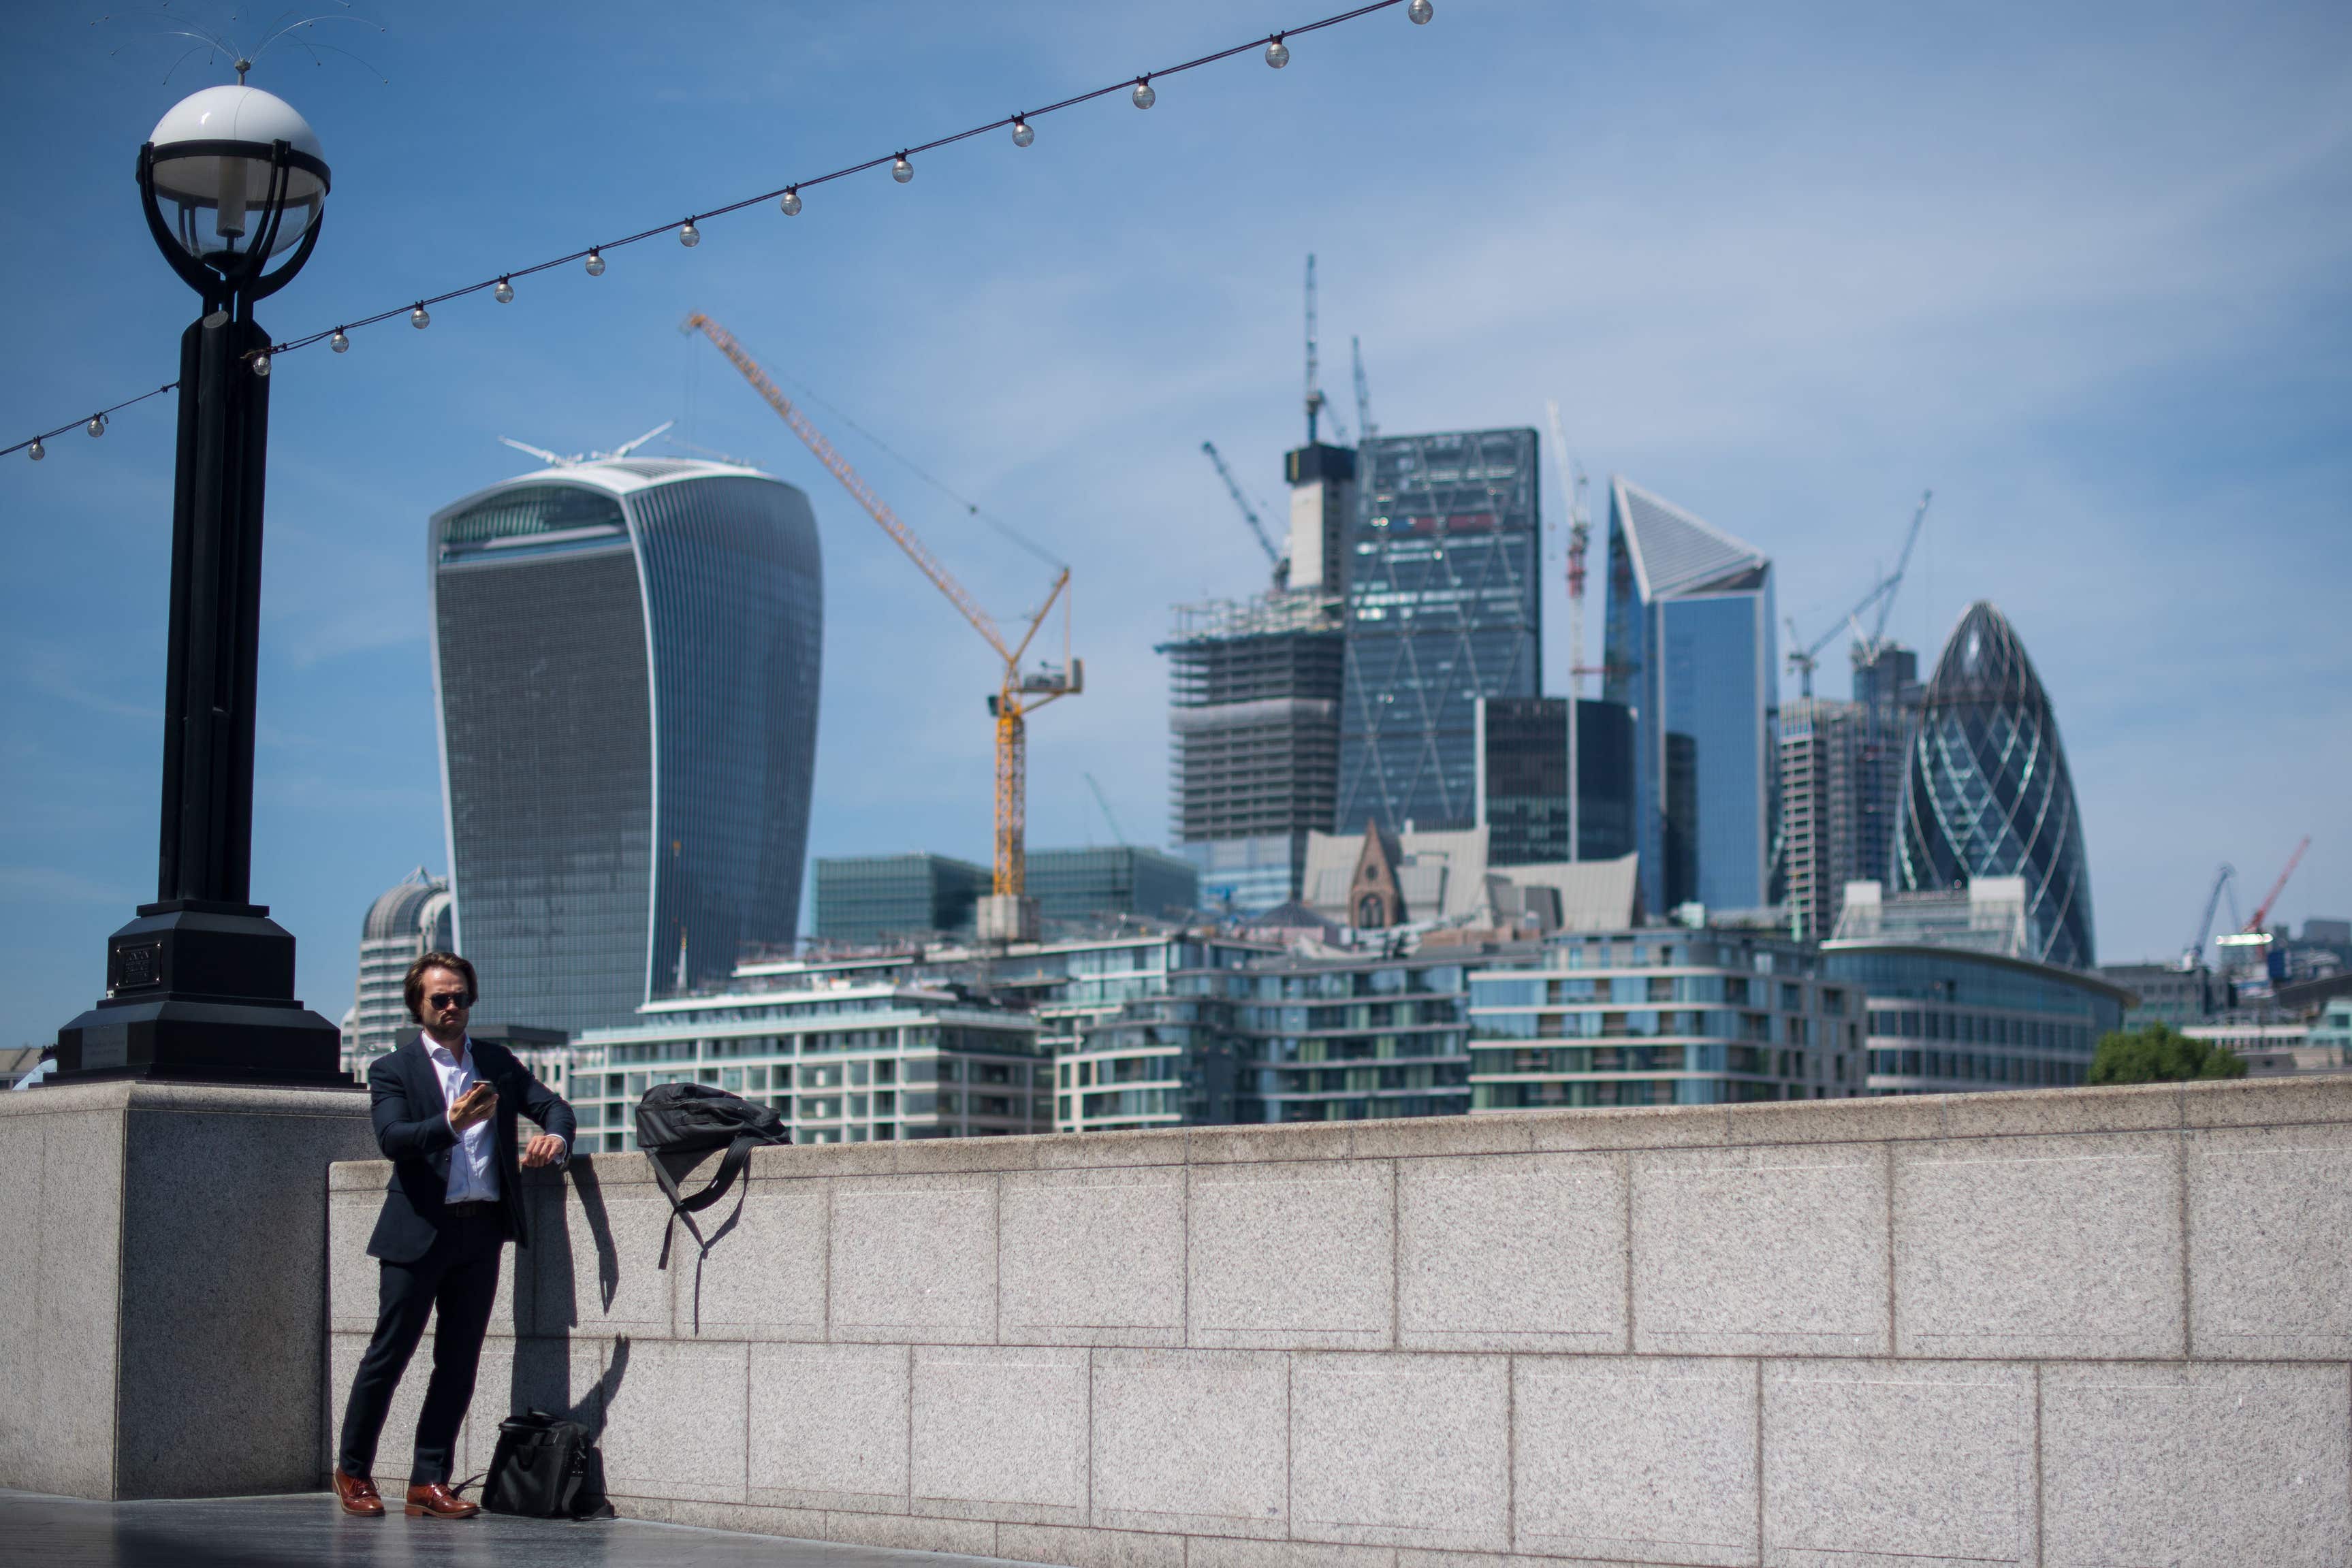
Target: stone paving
309, 1531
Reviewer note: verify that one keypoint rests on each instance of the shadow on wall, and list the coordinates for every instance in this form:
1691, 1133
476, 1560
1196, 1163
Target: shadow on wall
543, 1360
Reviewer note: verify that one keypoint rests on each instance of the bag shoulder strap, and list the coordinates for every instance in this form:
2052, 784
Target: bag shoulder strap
683, 1208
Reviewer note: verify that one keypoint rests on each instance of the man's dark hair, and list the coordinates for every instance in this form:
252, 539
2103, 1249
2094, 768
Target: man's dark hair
413, 989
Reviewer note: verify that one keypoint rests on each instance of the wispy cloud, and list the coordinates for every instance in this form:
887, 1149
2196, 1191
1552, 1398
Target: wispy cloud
53, 884
54, 671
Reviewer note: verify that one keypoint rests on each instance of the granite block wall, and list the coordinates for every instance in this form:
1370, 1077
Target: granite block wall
164, 1281
2071, 1329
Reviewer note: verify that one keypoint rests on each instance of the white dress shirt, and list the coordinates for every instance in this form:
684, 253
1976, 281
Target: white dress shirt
474, 1163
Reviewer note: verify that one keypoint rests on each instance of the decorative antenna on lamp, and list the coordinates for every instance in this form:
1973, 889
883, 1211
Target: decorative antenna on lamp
211, 44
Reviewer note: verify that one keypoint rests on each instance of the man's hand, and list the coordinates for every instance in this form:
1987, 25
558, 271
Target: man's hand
474, 1105
542, 1150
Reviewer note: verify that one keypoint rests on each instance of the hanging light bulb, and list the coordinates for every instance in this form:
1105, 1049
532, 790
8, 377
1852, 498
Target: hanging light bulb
1022, 134
902, 171
1420, 12
339, 343
97, 425
689, 235
791, 204
1277, 53
38, 450
595, 264
1143, 95
261, 365
503, 293
419, 319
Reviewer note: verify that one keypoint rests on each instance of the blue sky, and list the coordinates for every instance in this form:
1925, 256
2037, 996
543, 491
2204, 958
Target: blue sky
2085, 270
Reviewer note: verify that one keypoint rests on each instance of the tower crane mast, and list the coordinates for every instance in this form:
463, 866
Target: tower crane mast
1365, 428
1315, 401
1579, 536
1018, 694
1580, 539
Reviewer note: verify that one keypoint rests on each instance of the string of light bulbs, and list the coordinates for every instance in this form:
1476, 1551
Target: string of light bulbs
787, 198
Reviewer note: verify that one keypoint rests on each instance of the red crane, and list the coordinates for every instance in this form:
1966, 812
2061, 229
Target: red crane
2263, 909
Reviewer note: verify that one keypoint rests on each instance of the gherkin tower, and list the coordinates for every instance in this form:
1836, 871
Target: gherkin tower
1986, 791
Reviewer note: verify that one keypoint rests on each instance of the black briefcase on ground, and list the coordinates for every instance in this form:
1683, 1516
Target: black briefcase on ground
545, 1468
680, 1120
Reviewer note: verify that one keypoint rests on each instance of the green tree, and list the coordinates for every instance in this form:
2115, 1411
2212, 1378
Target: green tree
2158, 1053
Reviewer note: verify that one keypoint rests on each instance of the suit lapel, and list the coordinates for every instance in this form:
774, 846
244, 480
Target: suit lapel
435, 1095
424, 1064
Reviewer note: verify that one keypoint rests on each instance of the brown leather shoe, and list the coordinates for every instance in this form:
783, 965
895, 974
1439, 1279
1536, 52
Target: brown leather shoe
358, 1495
438, 1501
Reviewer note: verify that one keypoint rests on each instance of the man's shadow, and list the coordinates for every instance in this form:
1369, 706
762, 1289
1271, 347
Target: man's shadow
542, 1358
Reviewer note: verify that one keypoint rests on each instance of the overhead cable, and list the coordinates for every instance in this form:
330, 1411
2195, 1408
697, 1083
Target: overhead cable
500, 285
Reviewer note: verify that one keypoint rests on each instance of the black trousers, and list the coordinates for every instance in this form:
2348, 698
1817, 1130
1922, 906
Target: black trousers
459, 1276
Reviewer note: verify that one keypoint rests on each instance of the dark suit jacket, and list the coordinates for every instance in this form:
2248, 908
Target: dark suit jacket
412, 1127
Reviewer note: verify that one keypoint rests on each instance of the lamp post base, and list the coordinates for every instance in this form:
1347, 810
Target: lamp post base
202, 992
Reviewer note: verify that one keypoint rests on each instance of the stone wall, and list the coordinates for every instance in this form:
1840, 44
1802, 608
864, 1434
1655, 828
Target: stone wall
162, 1274
2072, 1327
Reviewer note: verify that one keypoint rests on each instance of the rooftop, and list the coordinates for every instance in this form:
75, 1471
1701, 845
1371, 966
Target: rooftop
1676, 552
1270, 615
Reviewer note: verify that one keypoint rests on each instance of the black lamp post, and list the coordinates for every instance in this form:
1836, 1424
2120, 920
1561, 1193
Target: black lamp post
201, 985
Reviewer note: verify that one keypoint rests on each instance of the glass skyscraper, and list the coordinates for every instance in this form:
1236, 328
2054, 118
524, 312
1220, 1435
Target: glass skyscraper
625, 660
1690, 648
883, 898
1085, 886
1987, 792
1523, 782
1440, 574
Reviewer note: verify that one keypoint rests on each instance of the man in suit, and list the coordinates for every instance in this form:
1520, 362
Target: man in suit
444, 1107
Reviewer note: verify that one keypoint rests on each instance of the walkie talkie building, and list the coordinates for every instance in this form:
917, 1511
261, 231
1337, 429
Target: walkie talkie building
625, 661
1987, 792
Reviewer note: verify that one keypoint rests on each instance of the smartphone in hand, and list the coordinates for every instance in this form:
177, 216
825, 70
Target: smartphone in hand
474, 1105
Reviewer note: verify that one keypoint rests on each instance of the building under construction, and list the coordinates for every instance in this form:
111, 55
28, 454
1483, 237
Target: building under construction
1255, 684
1841, 782
1254, 764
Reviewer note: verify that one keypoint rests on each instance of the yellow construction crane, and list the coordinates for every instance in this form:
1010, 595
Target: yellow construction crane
1008, 915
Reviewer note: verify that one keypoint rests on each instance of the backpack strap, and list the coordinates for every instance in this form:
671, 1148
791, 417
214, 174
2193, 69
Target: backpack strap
684, 1209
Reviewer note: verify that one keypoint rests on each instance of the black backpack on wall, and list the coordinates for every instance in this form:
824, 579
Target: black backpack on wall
687, 1118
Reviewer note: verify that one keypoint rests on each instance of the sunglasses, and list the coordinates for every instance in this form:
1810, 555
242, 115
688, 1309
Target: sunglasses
441, 999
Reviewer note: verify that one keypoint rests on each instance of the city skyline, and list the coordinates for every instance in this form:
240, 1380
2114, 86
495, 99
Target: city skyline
2046, 311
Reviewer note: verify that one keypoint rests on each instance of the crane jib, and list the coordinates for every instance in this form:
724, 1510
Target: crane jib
1018, 694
